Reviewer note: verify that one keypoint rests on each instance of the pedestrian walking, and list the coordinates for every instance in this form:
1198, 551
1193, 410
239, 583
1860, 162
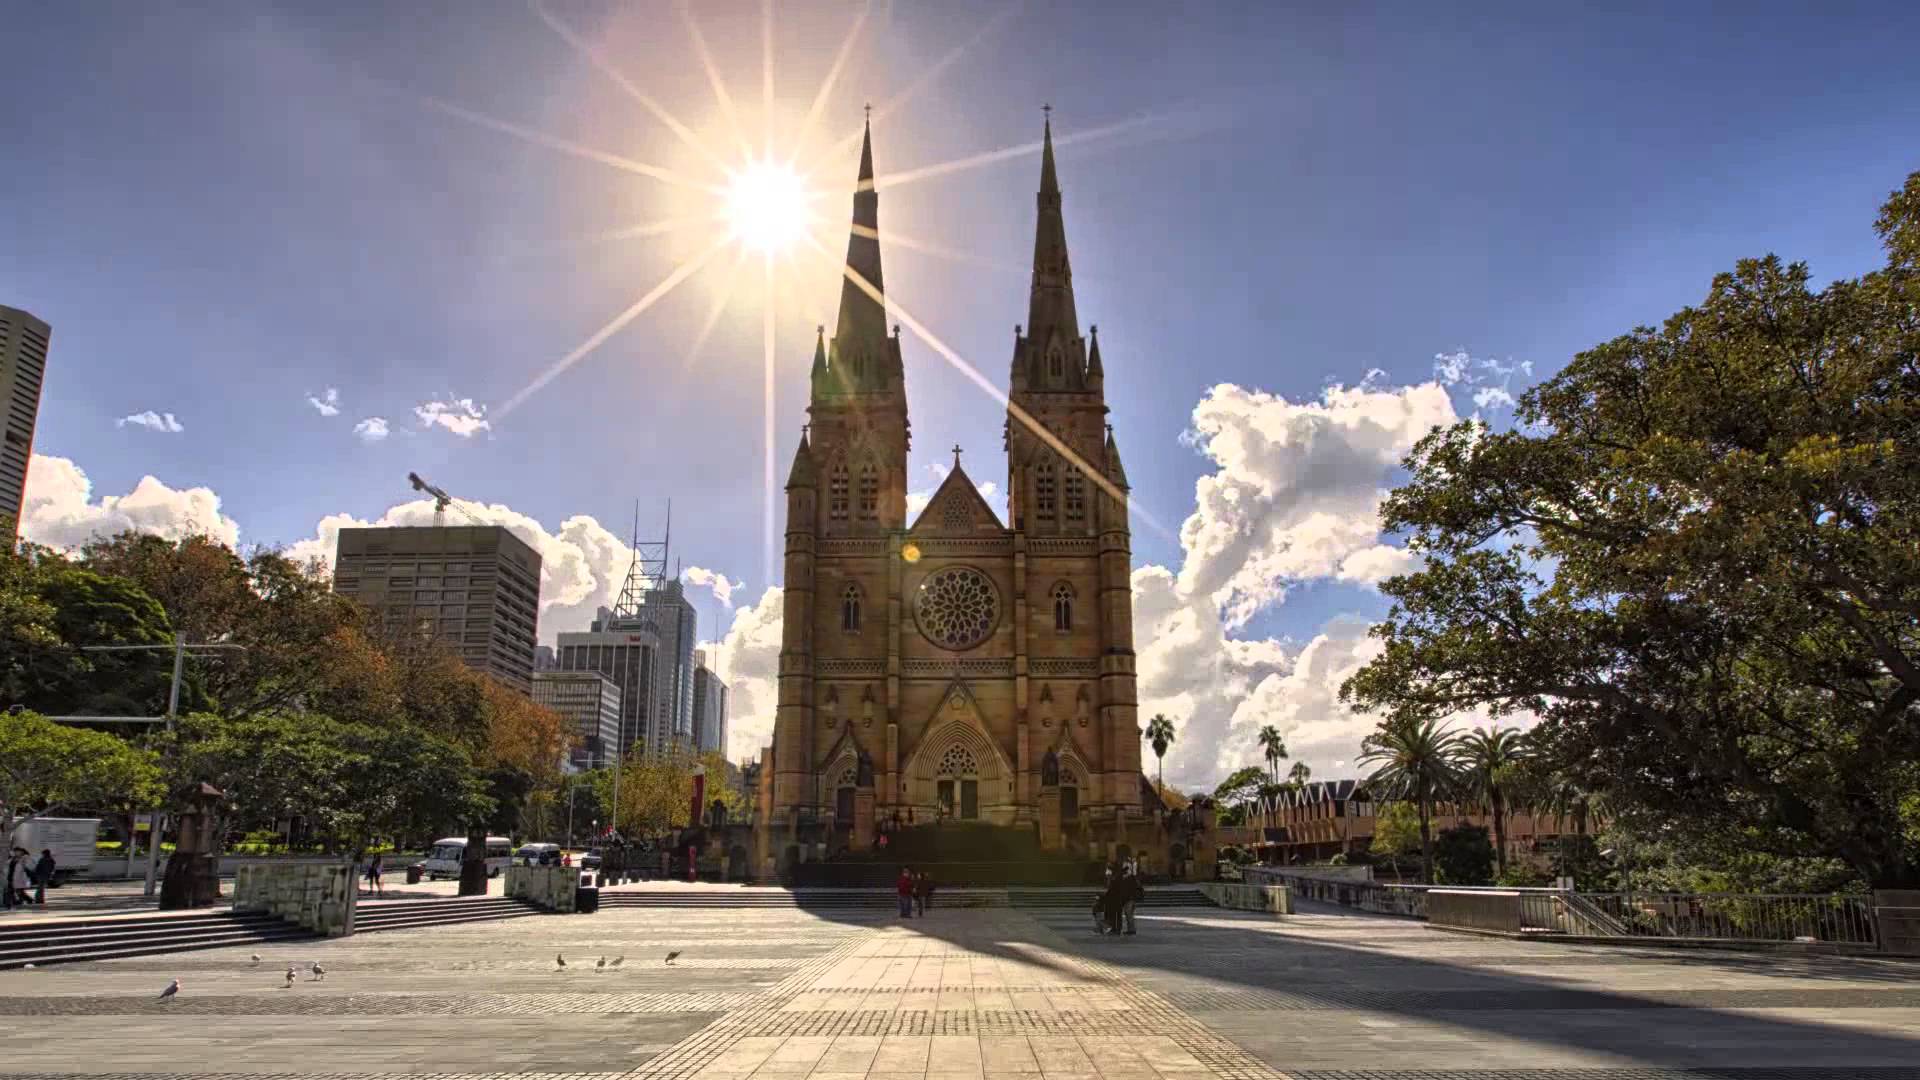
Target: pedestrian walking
18, 880
1131, 893
926, 882
42, 876
903, 888
375, 867
920, 894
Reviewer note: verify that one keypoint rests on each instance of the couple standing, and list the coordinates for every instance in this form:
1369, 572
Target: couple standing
1113, 910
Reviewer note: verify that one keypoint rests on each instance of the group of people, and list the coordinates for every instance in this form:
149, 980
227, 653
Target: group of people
915, 892
24, 872
1113, 909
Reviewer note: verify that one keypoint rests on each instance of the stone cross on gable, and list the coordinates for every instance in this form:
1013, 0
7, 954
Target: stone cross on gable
956, 455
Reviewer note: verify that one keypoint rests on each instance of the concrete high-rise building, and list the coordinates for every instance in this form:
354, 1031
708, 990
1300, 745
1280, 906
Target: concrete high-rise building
23, 364
672, 617
591, 703
477, 587
625, 651
709, 707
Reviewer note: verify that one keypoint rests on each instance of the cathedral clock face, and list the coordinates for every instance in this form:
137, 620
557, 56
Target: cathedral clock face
957, 608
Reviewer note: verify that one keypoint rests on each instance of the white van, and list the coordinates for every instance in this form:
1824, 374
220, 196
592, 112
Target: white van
70, 840
447, 855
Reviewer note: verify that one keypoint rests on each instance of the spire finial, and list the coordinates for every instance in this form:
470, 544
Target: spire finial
956, 455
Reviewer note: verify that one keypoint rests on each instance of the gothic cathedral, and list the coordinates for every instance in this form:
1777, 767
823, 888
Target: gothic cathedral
956, 667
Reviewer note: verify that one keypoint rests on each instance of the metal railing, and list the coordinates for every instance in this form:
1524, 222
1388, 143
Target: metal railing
1803, 917
1783, 917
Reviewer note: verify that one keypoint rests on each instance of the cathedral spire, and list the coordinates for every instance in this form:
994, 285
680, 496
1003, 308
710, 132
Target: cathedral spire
1050, 312
861, 357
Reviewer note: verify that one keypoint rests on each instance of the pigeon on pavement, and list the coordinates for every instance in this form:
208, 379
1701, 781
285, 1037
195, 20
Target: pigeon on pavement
618, 960
559, 961
601, 966
290, 976
672, 956
172, 989
318, 971
256, 959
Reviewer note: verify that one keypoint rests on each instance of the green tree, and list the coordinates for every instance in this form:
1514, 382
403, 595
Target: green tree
1160, 736
1396, 832
1413, 760
1462, 855
1488, 758
1298, 776
1240, 788
1697, 557
45, 766
1274, 749
49, 609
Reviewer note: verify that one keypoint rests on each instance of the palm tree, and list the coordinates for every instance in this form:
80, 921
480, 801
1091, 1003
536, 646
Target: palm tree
1274, 747
1413, 760
1160, 735
1488, 759
1299, 775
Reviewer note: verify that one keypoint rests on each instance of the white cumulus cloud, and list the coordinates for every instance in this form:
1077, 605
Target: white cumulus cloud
749, 656
717, 582
60, 511
1293, 495
462, 416
152, 421
327, 403
372, 429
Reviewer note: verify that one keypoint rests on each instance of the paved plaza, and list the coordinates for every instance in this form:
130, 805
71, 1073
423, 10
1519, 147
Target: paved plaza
980, 994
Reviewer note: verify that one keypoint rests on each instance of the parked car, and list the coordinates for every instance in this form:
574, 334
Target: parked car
537, 855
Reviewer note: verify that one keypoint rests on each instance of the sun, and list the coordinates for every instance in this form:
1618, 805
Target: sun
766, 206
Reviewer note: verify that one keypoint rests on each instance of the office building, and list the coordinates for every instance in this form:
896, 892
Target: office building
590, 702
624, 651
671, 615
709, 707
23, 364
476, 587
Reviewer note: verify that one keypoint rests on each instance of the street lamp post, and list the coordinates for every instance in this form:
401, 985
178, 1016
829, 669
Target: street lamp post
180, 649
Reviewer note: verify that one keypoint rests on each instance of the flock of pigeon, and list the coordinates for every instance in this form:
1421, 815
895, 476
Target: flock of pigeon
319, 973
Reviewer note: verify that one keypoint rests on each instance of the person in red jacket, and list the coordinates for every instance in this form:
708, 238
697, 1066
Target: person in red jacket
904, 887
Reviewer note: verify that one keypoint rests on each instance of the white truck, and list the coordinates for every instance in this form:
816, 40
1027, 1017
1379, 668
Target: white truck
70, 839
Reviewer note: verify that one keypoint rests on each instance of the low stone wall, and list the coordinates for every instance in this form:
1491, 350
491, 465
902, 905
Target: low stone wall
1270, 898
548, 887
319, 896
1896, 921
1478, 909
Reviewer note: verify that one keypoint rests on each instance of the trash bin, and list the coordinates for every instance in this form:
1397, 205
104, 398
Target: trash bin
586, 900
414, 872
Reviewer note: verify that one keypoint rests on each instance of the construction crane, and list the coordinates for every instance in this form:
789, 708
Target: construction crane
441, 500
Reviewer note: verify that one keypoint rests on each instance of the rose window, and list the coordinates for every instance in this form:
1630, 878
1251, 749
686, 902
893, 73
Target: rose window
958, 761
957, 607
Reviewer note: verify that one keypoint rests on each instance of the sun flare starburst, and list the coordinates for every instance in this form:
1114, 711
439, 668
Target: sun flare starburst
766, 206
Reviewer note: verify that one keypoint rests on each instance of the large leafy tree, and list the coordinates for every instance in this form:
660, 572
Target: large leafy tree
1415, 761
1697, 556
48, 766
284, 613
49, 610
1396, 832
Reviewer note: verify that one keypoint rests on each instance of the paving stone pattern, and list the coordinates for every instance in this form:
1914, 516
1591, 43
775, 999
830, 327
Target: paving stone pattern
980, 994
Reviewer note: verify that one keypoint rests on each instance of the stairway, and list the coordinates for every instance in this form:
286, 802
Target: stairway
42, 942
62, 941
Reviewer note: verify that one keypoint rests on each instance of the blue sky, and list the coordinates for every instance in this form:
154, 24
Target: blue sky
225, 210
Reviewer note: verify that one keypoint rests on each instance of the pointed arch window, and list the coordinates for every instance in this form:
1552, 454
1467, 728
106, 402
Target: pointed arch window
1062, 607
1044, 491
859, 365
869, 491
837, 492
850, 610
1074, 495
1056, 364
